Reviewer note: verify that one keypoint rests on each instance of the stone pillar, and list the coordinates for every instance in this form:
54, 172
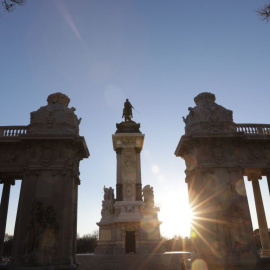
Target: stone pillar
4, 211
268, 179
138, 175
263, 228
119, 185
45, 229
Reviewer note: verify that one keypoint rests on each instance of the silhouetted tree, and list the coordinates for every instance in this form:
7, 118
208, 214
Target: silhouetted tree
178, 243
9, 5
87, 243
264, 12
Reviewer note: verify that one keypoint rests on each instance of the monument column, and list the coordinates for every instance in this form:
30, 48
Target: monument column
263, 228
4, 211
138, 175
125, 222
119, 185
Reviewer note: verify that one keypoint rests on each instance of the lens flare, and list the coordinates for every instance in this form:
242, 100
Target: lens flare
155, 169
193, 235
148, 225
240, 187
199, 264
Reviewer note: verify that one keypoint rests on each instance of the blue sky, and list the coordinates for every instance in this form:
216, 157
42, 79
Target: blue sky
160, 55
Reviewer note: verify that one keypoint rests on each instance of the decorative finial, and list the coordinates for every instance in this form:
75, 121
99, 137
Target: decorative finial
58, 98
205, 98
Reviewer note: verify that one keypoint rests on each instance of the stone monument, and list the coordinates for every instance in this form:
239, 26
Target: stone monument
218, 154
129, 222
45, 155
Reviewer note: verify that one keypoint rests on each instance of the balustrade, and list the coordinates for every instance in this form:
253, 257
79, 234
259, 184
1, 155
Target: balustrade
260, 129
12, 130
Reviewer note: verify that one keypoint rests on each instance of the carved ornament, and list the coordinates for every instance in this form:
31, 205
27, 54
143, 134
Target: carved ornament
128, 141
7, 181
208, 116
55, 118
58, 98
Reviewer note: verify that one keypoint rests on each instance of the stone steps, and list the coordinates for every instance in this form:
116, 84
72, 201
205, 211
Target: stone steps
130, 262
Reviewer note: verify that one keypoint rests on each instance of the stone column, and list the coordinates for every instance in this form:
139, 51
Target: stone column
268, 179
119, 185
4, 211
138, 175
263, 228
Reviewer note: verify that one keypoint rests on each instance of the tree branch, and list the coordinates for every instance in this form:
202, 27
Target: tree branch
264, 12
9, 5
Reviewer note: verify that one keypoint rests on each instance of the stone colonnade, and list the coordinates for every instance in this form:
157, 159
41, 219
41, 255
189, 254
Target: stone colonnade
254, 176
4, 210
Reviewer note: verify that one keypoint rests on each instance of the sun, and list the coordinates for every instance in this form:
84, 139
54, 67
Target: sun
175, 214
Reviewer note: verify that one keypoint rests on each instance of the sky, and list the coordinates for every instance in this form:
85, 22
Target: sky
159, 54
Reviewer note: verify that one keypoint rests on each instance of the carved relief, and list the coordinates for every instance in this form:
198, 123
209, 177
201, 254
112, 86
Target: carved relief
214, 120
34, 227
107, 203
128, 165
255, 152
50, 121
128, 141
55, 118
129, 158
208, 116
48, 233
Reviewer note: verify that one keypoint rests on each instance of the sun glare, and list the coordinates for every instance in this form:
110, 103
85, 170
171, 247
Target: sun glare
176, 216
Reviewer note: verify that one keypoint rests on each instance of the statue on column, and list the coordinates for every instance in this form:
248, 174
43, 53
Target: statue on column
127, 111
148, 196
107, 203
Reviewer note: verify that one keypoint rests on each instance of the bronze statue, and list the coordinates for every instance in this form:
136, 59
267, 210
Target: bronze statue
127, 111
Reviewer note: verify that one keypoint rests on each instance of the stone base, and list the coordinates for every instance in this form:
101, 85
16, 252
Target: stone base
265, 254
49, 267
244, 266
128, 127
158, 261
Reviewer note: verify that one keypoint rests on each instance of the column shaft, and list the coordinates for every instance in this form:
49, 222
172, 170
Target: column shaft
119, 187
119, 171
138, 186
263, 228
268, 179
3, 214
138, 168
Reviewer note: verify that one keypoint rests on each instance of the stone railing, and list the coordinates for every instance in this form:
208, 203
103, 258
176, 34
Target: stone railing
255, 129
8, 131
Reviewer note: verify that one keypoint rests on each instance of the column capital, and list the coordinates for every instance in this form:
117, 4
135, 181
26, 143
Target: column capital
118, 150
9, 181
254, 176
